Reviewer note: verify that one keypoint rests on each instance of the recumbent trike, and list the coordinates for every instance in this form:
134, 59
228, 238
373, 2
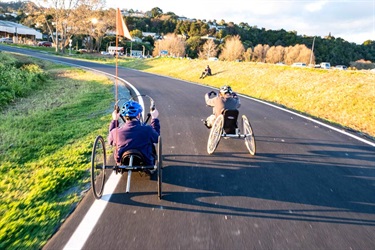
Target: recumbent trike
132, 160
225, 125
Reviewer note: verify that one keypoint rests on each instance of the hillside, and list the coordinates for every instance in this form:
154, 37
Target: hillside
328, 49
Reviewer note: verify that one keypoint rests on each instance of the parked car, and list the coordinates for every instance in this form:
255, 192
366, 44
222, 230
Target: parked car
6, 40
45, 44
104, 53
325, 65
341, 67
299, 64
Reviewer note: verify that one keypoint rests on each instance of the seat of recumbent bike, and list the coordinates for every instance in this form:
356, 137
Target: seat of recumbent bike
230, 121
138, 159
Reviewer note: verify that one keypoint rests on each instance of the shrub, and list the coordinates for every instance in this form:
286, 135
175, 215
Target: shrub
18, 81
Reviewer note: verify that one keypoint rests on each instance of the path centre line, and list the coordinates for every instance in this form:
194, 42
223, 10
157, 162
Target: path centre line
83, 231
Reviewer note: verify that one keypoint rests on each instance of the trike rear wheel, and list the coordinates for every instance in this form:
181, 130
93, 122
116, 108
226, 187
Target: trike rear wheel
98, 163
160, 168
249, 135
215, 134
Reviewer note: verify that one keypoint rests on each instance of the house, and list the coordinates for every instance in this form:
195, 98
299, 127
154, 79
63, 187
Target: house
19, 31
216, 27
113, 49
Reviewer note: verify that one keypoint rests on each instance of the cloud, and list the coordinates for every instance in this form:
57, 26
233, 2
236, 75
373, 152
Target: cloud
351, 20
315, 6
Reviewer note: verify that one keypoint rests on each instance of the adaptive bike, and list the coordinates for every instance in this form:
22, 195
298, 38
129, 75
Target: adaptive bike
225, 125
131, 161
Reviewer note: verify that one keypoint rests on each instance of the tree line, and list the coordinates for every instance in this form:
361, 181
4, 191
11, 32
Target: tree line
87, 24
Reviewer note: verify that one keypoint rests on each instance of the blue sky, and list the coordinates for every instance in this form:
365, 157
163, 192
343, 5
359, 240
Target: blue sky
352, 20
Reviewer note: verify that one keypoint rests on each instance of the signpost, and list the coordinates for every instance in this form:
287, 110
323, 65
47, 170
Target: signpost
70, 47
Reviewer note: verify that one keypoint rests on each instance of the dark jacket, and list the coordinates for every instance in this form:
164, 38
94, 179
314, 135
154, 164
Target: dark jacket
208, 71
133, 135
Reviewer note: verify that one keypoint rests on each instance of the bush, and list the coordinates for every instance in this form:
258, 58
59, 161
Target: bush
18, 79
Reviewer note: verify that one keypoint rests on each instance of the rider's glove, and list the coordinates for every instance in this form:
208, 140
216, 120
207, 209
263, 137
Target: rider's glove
154, 114
115, 115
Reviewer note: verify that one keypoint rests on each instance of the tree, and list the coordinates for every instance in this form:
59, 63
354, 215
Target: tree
136, 33
297, 53
174, 45
67, 17
209, 50
233, 49
248, 55
194, 30
155, 12
192, 46
60, 11
258, 53
105, 22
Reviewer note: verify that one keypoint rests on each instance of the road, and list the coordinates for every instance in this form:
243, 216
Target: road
308, 187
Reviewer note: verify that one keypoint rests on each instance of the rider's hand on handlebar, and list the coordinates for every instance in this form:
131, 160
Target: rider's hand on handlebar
115, 115
154, 114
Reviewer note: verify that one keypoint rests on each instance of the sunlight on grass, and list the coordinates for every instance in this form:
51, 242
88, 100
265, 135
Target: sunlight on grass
46, 148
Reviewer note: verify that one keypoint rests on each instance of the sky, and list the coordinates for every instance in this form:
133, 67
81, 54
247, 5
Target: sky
352, 20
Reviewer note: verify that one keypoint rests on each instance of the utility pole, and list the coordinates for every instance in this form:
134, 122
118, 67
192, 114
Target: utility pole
312, 51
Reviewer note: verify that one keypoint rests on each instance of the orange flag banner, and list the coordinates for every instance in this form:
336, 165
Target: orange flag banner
121, 29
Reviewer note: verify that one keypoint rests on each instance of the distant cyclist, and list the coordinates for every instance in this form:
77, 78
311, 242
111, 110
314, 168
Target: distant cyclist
226, 99
132, 134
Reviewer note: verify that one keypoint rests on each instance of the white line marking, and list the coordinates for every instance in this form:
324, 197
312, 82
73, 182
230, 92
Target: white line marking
300, 115
83, 231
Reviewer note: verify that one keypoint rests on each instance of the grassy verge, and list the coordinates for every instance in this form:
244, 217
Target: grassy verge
46, 141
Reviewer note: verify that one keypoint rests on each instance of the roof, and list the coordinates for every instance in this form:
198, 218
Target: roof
114, 48
11, 27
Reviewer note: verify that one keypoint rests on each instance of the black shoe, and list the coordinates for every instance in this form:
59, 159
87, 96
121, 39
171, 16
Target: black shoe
205, 124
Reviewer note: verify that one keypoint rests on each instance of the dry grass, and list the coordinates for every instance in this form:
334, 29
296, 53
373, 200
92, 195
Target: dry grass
343, 97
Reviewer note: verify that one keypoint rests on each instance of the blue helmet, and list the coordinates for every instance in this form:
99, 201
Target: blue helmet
131, 109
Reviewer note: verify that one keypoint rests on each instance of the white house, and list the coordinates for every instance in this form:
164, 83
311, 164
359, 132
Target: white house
113, 49
11, 29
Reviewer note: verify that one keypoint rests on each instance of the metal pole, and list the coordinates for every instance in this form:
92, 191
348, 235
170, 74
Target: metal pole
312, 50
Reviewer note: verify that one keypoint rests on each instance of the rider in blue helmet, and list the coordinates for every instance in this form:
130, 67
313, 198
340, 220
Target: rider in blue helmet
131, 109
132, 134
227, 99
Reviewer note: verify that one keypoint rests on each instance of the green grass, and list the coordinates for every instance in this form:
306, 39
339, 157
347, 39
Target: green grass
46, 147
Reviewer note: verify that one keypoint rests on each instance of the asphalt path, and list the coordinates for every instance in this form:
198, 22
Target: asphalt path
309, 186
